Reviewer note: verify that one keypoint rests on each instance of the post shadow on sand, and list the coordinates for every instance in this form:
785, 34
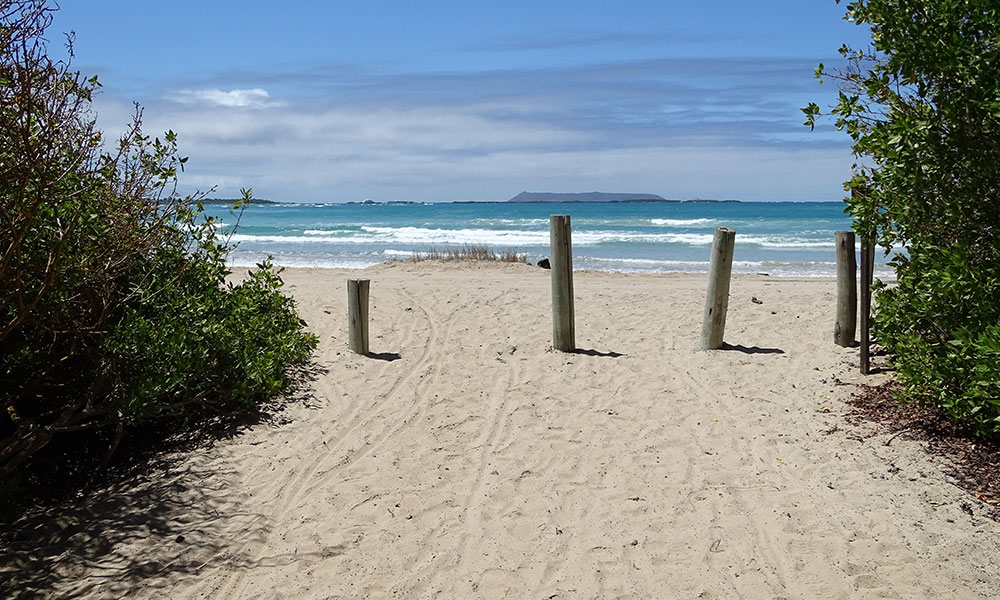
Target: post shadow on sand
751, 349
386, 356
592, 352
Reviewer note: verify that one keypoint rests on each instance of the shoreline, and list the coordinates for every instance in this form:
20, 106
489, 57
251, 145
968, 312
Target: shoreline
465, 458
781, 239
886, 277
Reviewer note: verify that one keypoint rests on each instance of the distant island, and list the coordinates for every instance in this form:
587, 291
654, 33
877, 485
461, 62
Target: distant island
544, 197
373, 202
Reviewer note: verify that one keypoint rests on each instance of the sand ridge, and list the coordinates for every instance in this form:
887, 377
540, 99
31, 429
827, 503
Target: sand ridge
466, 459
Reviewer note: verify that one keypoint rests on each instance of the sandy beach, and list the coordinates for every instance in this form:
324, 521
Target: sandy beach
466, 459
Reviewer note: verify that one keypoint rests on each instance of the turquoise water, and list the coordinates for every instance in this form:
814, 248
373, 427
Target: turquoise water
779, 238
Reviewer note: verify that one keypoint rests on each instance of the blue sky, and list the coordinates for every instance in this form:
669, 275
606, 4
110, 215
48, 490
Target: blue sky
338, 101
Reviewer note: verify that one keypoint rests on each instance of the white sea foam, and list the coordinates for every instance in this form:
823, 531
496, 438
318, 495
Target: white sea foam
303, 262
422, 236
622, 265
525, 238
692, 239
518, 222
305, 239
327, 232
785, 242
489, 237
663, 265
644, 265
419, 236
357, 237
680, 222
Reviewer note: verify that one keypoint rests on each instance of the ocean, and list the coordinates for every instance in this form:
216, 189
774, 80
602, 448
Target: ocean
789, 239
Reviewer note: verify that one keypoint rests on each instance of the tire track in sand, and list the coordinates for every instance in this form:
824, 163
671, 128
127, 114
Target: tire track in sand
472, 512
302, 480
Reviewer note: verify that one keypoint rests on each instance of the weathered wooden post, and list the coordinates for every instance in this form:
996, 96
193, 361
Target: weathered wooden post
357, 315
720, 269
561, 249
847, 290
867, 269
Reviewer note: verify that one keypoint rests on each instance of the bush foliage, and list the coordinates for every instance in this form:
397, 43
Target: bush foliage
114, 304
922, 106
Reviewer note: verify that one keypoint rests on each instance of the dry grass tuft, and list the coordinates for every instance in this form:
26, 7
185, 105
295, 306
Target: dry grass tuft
470, 252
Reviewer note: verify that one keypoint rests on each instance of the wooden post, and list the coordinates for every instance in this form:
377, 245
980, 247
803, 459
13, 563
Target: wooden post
720, 269
357, 314
847, 290
867, 268
561, 249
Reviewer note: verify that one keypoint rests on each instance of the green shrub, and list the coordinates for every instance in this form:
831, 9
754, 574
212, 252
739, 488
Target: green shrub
941, 323
922, 106
114, 304
191, 336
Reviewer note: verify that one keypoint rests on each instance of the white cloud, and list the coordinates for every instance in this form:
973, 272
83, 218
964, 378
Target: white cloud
435, 153
667, 128
236, 98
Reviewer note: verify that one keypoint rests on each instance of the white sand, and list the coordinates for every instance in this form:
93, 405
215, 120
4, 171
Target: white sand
481, 464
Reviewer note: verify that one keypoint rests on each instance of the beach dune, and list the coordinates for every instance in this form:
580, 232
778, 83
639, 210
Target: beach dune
467, 459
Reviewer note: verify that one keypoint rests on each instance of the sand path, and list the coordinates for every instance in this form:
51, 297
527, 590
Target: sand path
469, 460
